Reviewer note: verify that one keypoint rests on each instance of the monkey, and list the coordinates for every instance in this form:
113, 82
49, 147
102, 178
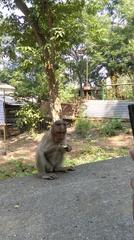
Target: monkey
51, 150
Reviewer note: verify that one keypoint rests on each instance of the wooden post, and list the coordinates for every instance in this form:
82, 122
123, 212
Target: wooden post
4, 139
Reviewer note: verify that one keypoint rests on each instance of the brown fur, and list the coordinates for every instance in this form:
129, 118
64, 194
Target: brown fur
51, 150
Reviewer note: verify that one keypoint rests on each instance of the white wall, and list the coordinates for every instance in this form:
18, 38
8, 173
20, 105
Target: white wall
2, 118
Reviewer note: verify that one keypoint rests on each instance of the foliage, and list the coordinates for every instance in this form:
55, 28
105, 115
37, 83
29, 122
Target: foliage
49, 29
110, 127
100, 32
16, 168
109, 35
83, 126
123, 90
67, 94
29, 116
121, 44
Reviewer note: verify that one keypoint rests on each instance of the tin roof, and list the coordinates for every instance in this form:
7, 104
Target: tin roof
6, 88
9, 100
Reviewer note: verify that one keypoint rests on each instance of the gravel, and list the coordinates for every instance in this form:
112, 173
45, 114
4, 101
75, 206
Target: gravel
94, 203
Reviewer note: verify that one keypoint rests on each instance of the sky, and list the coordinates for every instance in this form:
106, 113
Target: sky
6, 12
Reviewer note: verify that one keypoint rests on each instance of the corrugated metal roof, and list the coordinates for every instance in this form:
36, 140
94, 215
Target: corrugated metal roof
9, 100
6, 88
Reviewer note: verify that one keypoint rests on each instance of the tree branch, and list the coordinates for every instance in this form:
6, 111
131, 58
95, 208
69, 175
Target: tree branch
20, 4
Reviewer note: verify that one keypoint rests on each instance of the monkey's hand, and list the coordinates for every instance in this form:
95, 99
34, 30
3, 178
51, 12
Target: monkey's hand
67, 147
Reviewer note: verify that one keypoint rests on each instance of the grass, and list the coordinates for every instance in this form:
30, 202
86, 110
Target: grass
16, 168
94, 154
88, 150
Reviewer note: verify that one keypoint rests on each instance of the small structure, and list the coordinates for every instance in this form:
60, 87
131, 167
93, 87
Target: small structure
86, 89
8, 109
7, 104
90, 92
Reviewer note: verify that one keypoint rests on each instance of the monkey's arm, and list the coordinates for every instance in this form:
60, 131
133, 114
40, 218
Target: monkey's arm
54, 148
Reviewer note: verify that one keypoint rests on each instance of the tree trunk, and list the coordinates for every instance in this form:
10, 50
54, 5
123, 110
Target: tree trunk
54, 101
48, 56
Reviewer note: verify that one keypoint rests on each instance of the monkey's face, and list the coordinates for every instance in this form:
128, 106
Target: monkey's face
59, 136
58, 132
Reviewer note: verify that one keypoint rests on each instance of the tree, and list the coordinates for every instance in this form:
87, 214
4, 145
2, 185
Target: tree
109, 35
49, 27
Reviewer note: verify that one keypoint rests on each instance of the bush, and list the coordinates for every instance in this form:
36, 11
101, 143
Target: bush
83, 126
29, 116
67, 94
110, 127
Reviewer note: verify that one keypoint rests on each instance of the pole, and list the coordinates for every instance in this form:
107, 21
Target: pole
4, 128
87, 70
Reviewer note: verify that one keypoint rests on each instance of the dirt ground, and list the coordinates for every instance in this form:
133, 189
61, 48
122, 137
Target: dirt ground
23, 147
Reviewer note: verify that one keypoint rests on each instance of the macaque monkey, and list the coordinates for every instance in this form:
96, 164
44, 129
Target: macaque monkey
51, 150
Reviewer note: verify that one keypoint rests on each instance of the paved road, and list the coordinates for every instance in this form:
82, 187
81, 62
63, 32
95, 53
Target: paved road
94, 203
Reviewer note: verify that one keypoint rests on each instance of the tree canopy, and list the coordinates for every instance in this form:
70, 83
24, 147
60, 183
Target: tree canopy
42, 42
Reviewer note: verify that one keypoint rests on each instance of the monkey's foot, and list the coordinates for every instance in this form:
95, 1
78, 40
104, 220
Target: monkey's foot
49, 176
70, 168
64, 169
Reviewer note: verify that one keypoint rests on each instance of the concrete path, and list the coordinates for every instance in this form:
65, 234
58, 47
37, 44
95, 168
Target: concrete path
94, 203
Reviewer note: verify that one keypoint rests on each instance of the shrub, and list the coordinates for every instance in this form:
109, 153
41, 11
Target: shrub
83, 126
110, 127
67, 94
29, 116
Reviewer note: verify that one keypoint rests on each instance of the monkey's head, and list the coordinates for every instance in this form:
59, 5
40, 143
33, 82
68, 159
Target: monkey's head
58, 131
